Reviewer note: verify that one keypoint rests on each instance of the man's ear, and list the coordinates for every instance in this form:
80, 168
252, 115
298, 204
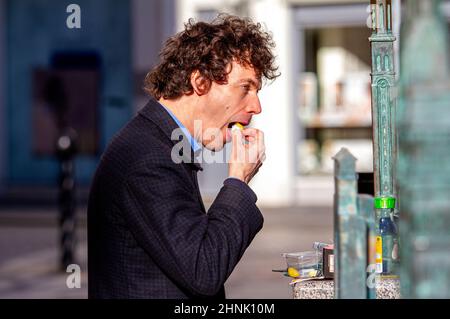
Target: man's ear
200, 84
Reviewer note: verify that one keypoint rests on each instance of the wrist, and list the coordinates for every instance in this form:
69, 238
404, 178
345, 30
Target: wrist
237, 176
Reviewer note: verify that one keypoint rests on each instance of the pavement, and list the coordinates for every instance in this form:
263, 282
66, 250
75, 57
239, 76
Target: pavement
29, 253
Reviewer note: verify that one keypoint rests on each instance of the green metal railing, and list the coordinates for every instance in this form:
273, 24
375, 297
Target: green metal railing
354, 232
421, 171
424, 152
365, 229
384, 132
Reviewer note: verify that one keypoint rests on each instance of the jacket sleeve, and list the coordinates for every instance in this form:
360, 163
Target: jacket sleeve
198, 251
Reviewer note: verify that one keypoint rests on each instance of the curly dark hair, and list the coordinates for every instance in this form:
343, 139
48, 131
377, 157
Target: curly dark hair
210, 48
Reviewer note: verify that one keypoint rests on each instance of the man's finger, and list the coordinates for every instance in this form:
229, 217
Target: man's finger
263, 158
250, 132
260, 136
237, 138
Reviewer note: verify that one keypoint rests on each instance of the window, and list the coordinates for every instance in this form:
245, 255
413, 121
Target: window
334, 87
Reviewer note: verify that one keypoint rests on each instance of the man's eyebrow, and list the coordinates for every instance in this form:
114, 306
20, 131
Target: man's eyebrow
252, 82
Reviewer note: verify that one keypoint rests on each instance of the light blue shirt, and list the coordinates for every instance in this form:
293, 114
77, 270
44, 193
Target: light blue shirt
192, 141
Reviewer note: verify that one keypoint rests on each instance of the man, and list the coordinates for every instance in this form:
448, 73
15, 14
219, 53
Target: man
149, 234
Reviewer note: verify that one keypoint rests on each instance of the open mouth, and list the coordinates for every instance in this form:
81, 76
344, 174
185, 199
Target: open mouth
230, 125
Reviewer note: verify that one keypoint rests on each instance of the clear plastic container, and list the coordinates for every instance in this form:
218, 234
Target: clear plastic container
305, 262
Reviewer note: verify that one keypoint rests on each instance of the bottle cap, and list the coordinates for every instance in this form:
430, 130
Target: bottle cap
384, 202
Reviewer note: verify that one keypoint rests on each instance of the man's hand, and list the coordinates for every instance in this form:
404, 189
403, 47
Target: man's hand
247, 155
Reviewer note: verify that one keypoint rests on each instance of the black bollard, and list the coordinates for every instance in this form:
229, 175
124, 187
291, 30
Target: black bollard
66, 151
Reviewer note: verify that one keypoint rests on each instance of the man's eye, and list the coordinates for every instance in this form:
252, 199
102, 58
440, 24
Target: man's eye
246, 88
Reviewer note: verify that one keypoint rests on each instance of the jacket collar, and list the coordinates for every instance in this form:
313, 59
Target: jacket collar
156, 113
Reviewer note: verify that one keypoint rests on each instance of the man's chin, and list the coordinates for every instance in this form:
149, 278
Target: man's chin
215, 147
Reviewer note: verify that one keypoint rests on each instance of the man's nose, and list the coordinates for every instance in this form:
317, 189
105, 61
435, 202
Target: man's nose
254, 106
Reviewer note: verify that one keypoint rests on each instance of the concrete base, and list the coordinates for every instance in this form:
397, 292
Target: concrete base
387, 288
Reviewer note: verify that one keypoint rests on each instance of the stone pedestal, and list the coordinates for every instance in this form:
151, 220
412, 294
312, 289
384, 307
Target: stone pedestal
387, 288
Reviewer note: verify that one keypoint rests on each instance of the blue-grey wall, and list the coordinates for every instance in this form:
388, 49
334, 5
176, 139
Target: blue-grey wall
2, 94
36, 29
153, 21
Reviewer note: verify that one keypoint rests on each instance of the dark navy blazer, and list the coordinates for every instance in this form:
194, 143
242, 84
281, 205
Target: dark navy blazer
149, 235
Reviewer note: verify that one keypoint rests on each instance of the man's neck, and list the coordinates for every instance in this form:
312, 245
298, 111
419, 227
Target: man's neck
183, 109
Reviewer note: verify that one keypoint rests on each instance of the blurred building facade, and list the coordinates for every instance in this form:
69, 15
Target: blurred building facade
42, 60
319, 104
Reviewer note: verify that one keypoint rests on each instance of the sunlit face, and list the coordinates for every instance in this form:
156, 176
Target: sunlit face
235, 101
